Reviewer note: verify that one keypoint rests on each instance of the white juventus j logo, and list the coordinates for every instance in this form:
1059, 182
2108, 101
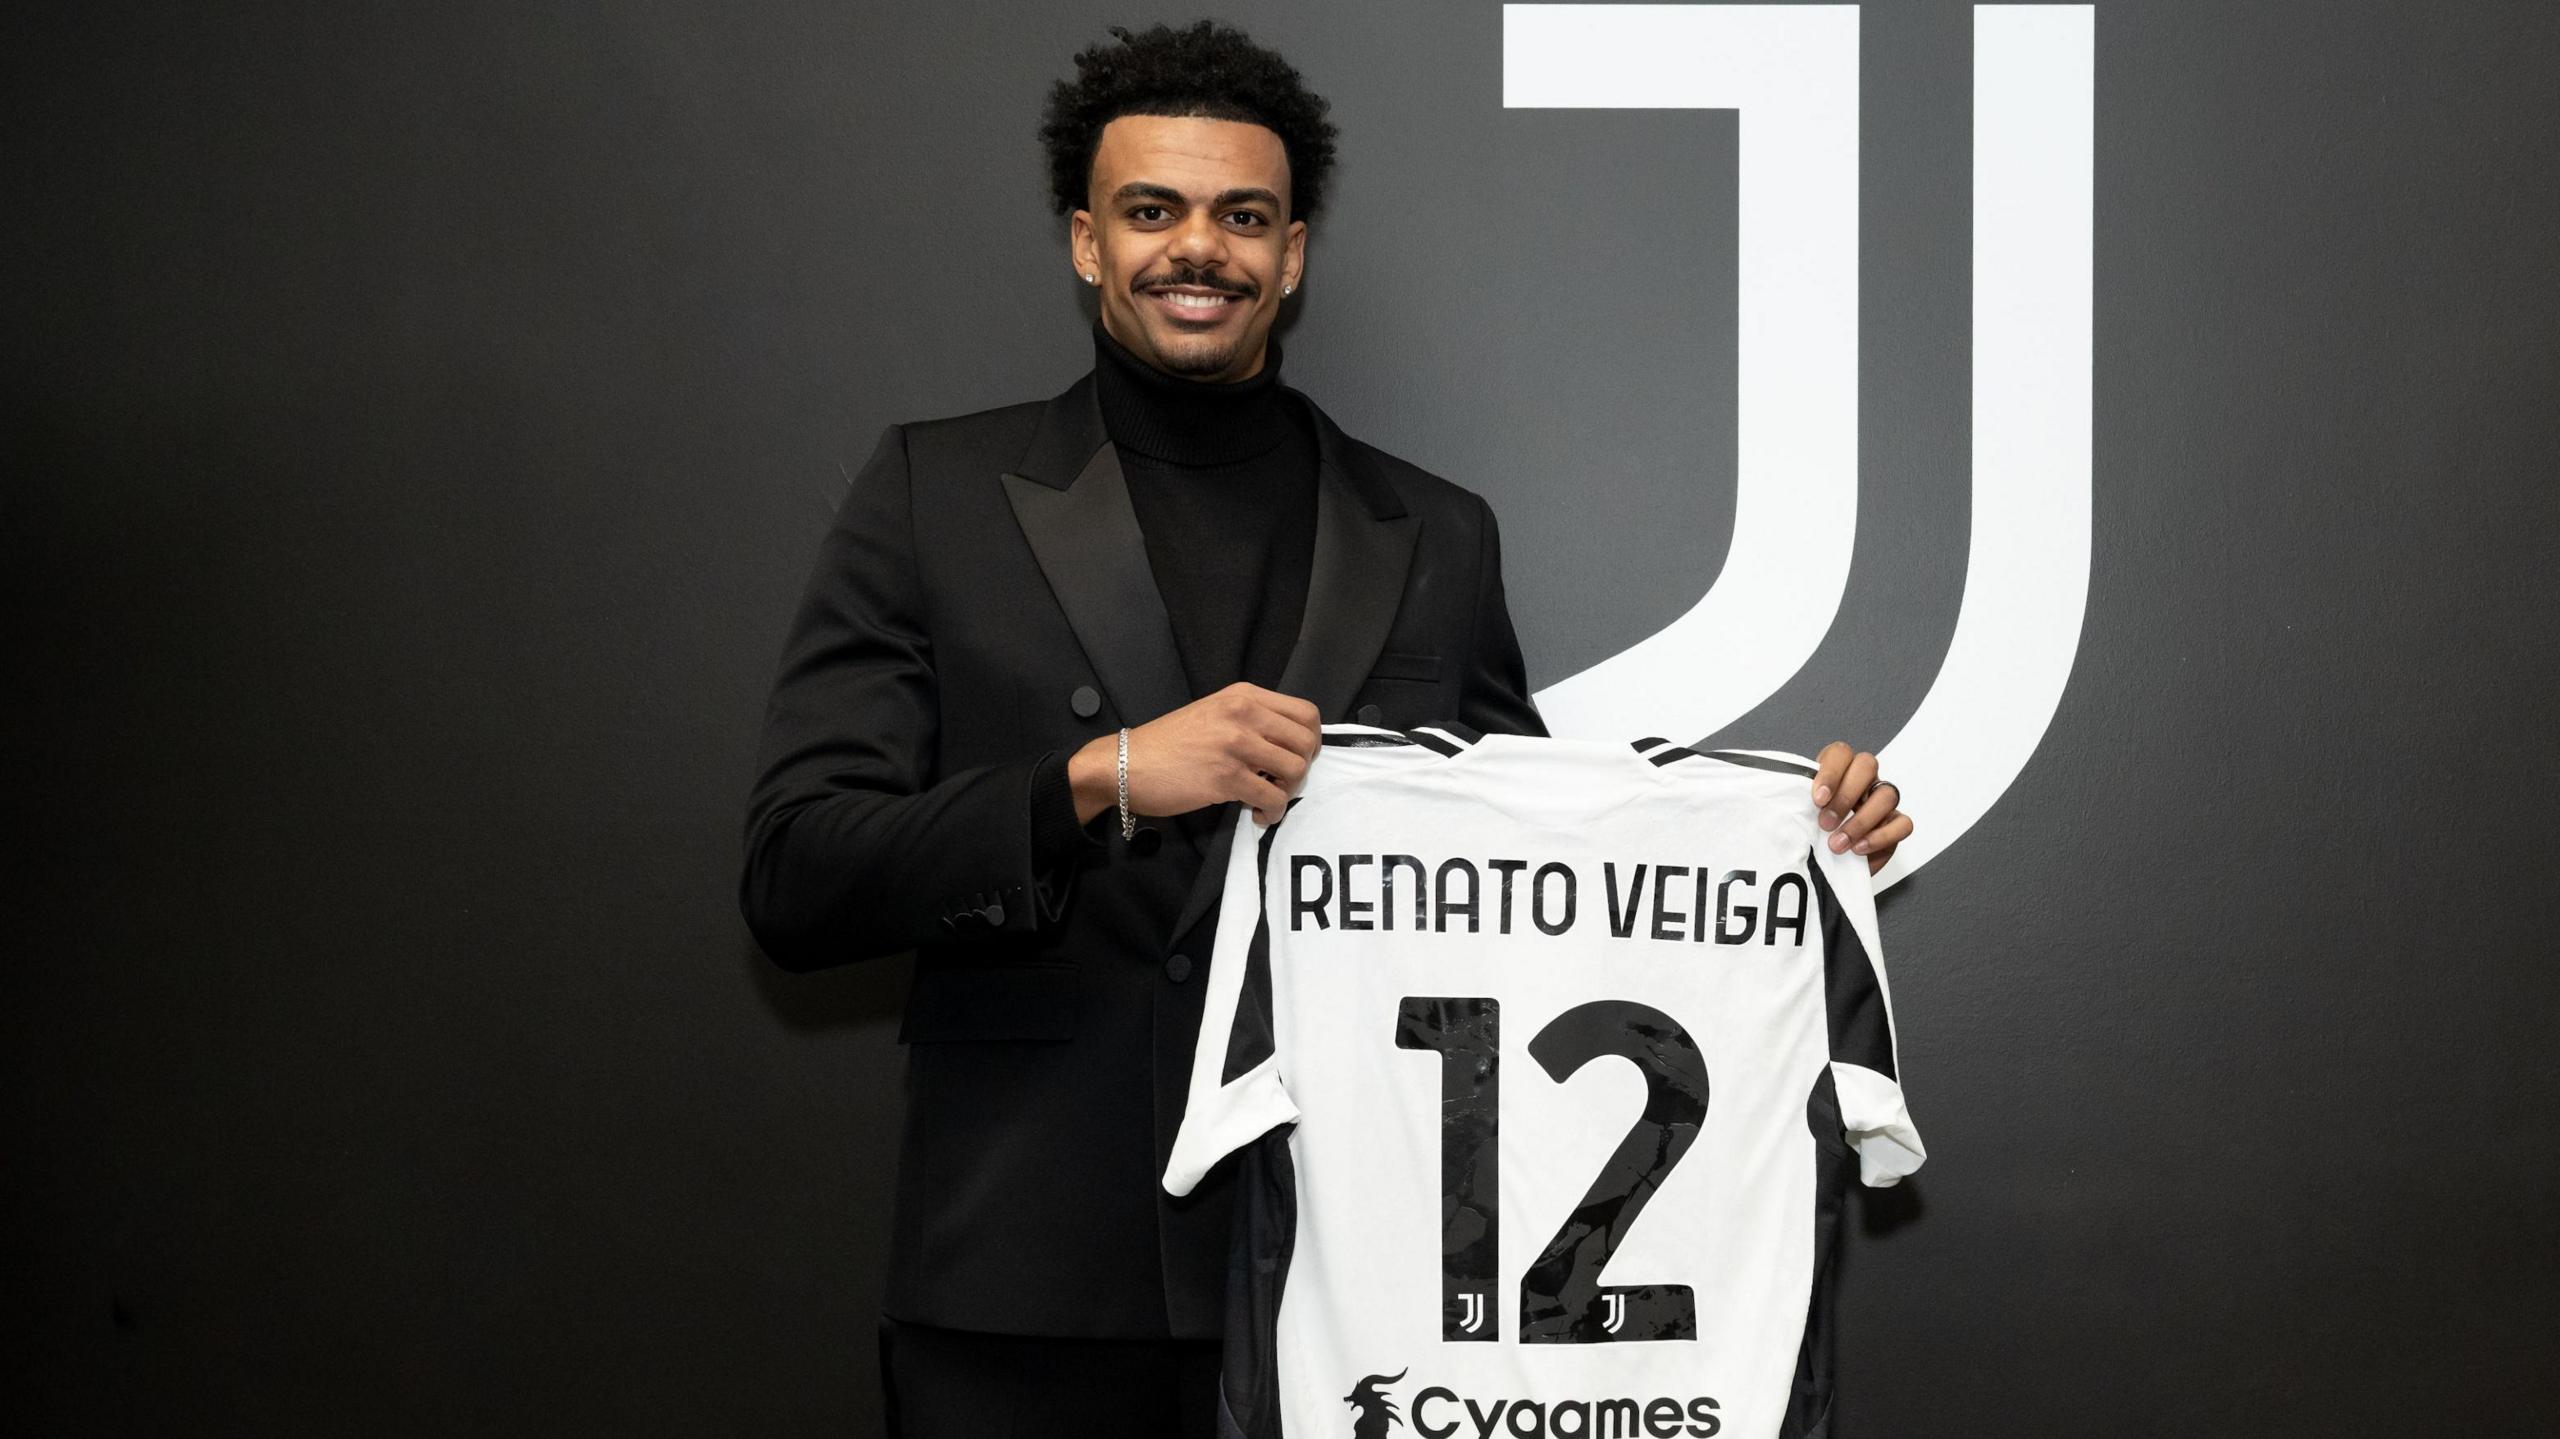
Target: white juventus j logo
1471, 1312
1792, 72
1616, 1307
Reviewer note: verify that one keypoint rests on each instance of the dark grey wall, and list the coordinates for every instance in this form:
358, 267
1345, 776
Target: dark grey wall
419, 419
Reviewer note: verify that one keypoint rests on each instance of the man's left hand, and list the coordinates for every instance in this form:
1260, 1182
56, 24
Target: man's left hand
1859, 812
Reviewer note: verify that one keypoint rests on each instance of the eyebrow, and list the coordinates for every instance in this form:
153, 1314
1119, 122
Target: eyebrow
1141, 190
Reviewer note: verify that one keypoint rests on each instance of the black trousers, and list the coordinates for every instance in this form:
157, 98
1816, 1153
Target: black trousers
951, 1383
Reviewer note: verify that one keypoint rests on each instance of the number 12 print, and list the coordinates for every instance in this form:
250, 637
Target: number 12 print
1562, 1300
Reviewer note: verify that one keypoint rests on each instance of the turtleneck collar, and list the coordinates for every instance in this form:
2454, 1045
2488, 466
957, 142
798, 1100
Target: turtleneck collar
1187, 422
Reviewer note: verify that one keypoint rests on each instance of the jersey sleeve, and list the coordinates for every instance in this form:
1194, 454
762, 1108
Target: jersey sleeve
1866, 1072
1235, 1095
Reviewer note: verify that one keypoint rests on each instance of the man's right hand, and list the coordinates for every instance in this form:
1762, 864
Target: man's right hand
1243, 743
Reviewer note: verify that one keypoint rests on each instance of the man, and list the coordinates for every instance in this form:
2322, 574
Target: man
1178, 552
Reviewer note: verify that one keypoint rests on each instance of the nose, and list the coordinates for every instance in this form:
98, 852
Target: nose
1199, 242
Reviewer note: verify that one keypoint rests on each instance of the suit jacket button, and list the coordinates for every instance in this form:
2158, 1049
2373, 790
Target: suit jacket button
992, 916
1178, 968
1373, 716
1085, 702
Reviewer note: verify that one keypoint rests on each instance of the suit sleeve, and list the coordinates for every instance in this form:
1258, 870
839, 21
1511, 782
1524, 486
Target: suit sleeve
1866, 1069
854, 848
1495, 693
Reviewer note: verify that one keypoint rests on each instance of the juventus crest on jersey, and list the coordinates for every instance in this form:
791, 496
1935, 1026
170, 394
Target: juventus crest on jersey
1628, 1234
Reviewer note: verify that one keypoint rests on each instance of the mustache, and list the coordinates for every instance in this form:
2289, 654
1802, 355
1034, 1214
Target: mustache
1202, 279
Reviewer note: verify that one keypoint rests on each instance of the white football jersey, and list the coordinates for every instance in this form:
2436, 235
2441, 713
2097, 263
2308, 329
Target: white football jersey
1549, 1058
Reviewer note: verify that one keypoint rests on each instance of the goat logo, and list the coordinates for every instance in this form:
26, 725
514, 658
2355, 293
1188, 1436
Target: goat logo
1373, 1412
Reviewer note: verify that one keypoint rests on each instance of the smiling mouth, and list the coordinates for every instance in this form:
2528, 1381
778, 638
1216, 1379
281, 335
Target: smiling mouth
1194, 302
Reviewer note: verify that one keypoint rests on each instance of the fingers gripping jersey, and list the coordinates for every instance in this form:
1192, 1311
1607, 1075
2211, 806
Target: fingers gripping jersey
1548, 1058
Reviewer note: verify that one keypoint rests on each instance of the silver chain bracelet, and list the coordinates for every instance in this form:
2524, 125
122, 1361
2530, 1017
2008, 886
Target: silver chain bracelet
1128, 822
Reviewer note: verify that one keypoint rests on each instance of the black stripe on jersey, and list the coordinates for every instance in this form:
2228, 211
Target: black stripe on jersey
1669, 752
1447, 737
1809, 1402
1266, 1240
1390, 739
1438, 744
1860, 1033
1249, 1040
1760, 761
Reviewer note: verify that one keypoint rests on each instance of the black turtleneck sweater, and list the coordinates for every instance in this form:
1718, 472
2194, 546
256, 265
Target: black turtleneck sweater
1223, 477
1223, 480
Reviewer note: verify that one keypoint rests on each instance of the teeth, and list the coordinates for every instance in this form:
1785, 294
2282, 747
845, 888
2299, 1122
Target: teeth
1196, 302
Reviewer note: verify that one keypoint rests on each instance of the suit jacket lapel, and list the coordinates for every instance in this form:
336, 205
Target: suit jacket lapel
1073, 505
1364, 546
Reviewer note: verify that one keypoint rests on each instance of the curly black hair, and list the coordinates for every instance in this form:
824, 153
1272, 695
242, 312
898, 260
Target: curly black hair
1206, 70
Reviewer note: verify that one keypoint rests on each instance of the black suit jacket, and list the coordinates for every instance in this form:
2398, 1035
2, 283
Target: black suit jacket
983, 598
